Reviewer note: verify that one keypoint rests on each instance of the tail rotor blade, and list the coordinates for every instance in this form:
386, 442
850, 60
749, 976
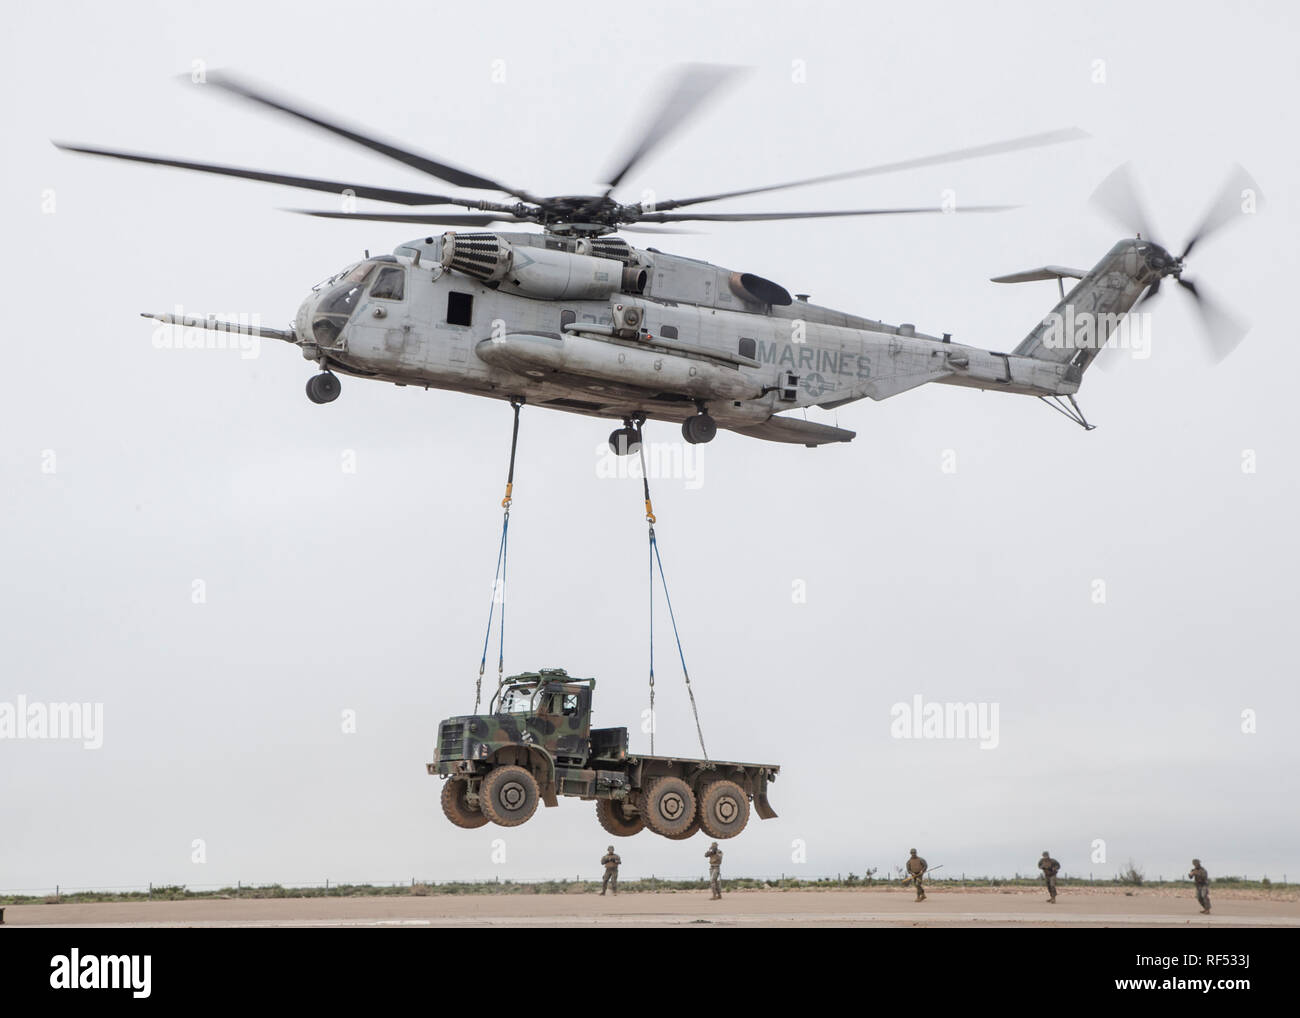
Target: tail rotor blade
1238, 194
1155, 289
1117, 197
1223, 330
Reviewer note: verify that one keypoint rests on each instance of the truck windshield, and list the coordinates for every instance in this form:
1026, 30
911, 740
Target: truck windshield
517, 700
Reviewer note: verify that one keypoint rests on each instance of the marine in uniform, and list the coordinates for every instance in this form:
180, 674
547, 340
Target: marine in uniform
714, 855
1050, 868
916, 867
1202, 880
611, 862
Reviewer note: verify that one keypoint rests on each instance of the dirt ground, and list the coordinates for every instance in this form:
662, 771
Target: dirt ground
1096, 907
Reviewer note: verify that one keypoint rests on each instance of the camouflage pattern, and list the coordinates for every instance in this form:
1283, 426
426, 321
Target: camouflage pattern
611, 861
714, 855
542, 721
916, 867
1050, 868
1202, 880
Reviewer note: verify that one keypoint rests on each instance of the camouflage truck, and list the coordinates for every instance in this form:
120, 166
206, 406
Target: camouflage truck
536, 743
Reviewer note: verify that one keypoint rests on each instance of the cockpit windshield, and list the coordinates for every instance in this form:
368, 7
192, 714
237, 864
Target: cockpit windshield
339, 302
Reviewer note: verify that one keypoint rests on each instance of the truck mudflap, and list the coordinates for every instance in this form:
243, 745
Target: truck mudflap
763, 808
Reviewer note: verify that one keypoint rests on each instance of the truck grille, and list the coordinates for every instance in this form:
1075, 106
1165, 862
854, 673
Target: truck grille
451, 743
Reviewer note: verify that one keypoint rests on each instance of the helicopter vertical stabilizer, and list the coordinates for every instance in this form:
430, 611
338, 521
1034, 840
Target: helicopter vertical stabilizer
1085, 319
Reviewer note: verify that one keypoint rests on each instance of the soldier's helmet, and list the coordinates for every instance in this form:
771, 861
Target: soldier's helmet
713, 844
912, 850
1196, 862
609, 848
1046, 854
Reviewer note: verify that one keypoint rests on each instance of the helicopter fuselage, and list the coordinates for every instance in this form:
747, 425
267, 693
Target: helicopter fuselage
594, 326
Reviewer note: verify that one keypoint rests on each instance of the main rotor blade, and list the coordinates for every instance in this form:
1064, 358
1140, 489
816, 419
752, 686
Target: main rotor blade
443, 171
434, 219
976, 152
1228, 205
1223, 330
309, 183
752, 217
687, 95
1117, 197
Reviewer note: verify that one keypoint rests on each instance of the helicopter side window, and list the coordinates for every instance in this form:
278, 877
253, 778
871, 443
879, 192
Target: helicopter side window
391, 285
567, 318
668, 331
460, 308
748, 348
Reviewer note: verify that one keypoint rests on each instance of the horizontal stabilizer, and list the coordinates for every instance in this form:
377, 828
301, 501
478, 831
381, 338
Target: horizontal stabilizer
796, 431
1046, 272
187, 322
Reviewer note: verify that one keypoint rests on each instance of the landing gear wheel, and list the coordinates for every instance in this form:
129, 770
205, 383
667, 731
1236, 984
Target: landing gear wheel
614, 817
669, 807
456, 807
324, 388
625, 441
690, 832
724, 809
508, 796
699, 429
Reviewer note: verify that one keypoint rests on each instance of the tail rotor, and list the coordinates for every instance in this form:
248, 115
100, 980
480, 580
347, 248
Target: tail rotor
1117, 197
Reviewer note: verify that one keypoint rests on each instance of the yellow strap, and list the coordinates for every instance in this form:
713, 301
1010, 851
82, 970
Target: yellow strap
505, 502
649, 512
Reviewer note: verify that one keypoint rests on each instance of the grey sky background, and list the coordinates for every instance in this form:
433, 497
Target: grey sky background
329, 591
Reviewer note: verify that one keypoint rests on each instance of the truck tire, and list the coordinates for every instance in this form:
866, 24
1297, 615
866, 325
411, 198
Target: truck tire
455, 807
669, 806
618, 821
508, 796
724, 809
690, 832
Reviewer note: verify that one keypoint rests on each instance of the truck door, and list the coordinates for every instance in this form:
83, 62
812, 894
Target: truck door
565, 716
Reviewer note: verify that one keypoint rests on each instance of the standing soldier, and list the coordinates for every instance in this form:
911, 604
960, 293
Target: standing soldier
610, 861
1202, 879
1050, 868
916, 867
714, 855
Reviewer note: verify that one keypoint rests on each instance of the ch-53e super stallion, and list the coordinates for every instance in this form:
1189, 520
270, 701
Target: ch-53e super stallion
576, 319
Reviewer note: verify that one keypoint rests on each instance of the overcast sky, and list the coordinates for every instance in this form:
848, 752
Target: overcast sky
130, 472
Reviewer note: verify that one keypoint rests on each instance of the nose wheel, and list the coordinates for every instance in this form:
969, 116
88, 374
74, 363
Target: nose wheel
324, 388
699, 429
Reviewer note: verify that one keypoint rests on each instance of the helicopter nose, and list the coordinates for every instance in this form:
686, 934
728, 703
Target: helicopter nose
302, 320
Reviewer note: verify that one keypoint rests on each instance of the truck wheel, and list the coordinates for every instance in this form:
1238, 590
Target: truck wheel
508, 796
456, 807
616, 820
690, 832
669, 807
724, 809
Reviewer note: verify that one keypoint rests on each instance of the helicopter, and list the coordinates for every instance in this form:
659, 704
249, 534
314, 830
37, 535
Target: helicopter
575, 318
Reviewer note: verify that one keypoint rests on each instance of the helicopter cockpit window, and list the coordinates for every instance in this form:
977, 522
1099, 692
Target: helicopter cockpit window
748, 348
391, 285
337, 305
